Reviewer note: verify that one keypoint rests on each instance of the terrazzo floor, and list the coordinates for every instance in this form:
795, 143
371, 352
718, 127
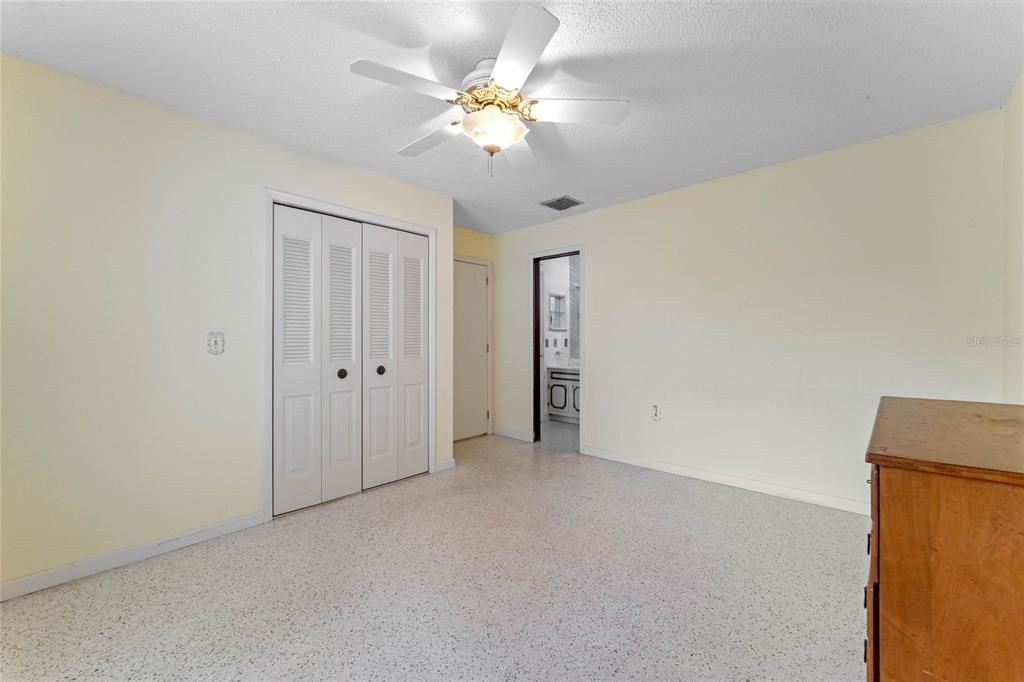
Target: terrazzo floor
521, 563
560, 436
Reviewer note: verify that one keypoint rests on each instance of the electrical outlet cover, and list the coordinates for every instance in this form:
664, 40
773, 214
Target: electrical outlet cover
215, 343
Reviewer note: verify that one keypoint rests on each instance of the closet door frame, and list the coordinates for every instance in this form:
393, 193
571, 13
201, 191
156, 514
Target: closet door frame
273, 197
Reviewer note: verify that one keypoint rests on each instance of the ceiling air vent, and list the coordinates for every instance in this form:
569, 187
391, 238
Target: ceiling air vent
561, 203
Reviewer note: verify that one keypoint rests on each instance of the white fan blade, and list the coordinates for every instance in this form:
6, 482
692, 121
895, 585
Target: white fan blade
606, 111
528, 35
431, 140
402, 79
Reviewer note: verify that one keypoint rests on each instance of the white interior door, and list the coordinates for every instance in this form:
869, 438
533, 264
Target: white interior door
297, 297
412, 355
341, 379
471, 364
380, 376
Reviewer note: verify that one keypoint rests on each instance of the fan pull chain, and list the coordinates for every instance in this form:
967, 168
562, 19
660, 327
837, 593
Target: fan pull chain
490, 165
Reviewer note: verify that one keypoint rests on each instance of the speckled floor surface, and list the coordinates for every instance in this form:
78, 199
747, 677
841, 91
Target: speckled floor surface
560, 436
521, 563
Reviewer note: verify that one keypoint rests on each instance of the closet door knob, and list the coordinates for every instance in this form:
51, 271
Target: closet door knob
380, 369
342, 373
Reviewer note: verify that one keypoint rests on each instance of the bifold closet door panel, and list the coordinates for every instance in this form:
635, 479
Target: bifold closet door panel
380, 376
341, 379
412, 355
297, 359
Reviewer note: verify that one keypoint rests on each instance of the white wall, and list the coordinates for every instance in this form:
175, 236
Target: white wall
129, 231
1013, 251
775, 307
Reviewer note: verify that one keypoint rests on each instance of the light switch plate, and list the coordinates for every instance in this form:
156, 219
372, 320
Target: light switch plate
215, 343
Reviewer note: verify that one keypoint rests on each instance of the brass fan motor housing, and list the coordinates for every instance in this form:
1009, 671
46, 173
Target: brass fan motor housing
509, 101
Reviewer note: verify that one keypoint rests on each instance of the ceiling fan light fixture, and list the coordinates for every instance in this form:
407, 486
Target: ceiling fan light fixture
493, 129
495, 111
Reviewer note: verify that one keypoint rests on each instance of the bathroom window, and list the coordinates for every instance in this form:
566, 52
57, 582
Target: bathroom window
557, 313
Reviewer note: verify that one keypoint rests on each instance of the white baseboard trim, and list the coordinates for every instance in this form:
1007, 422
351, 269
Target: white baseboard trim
820, 499
86, 567
518, 435
443, 465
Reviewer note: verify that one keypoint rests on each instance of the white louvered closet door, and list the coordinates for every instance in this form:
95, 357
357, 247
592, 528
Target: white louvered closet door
380, 376
342, 359
412, 355
297, 359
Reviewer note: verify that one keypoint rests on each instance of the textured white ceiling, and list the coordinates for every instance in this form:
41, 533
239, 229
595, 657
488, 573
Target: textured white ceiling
716, 88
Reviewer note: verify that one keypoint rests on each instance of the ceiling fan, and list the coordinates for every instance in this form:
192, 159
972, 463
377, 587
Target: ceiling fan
494, 113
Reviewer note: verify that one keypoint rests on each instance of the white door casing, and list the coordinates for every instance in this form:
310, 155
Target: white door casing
297, 313
380, 376
341, 379
413, 456
471, 358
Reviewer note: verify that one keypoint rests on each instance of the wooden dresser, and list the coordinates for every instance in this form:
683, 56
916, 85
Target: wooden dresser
945, 594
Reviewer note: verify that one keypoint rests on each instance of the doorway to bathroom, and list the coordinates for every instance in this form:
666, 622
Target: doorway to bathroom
557, 367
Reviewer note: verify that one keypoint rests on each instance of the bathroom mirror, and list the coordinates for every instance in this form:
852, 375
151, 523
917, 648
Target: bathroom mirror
558, 316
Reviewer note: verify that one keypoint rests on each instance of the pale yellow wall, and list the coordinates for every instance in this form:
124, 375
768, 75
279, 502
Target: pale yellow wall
1013, 251
474, 244
129, 231
767, 312
1, 317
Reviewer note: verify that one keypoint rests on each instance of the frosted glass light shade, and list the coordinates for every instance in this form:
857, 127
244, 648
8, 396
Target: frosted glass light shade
493, 129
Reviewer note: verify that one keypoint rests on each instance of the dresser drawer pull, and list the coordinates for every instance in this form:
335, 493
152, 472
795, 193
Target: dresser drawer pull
869, 543
865, 596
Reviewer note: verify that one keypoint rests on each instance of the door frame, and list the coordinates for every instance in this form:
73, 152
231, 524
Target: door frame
274, 196
490, 333
535, 344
